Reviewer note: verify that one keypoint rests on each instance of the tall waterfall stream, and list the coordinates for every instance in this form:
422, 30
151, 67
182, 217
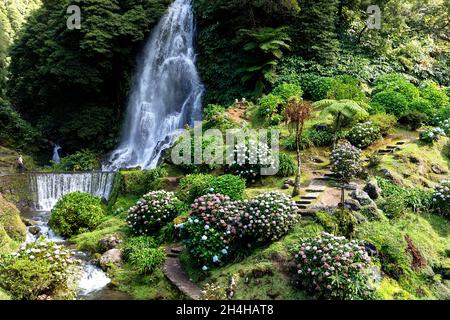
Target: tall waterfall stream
166, 97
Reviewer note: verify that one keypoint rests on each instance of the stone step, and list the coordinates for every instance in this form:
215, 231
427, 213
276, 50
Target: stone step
176, 250
307, 212
310, 196
313, 189
303, 202
391, 147
302, 206
172, 255
400, 143
323, 178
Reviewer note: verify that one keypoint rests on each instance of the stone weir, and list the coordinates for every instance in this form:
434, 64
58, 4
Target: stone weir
43, 190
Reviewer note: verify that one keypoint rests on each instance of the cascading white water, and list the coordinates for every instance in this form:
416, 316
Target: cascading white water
48, 188
167, 92
55, 157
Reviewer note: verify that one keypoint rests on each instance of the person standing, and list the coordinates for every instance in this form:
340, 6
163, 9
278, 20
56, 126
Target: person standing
20, 164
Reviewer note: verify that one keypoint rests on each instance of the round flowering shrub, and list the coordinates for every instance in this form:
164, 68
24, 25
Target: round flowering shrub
268, 216
441, 198
345, 161
333, 267
431, 135
205, 244
152, 212
39, 270
364, 134
249, 159
218, 212
76, 213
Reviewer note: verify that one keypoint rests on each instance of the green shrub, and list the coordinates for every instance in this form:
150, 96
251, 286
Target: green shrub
270, 106
143, 254
391, 102
76, 213
398, 83
422, 106
212, 110
42, 268
413, 119
316, 87
394, 206
153, 211
287, 91
342, 223
193, 186
287, 166
384, 121
362, 135
138, 182
84, 160
332, 267
346, 88
229, 185
431, 92
208, 142
319, 138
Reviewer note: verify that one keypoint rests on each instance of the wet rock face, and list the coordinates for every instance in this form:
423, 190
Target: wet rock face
111, 257
34, 230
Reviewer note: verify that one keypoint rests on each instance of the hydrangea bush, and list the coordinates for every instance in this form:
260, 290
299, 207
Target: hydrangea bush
345, 161
39, 270
431, 135
441, 198
362, 135
333, 267
268, 217
218, 226
250, 158
152, 212
446, 126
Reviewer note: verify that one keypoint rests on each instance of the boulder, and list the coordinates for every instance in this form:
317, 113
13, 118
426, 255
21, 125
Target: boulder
111, 257
285, 187
372, 189
34, 230
437, 169
352, 205
289, 182
109, 242
362, 197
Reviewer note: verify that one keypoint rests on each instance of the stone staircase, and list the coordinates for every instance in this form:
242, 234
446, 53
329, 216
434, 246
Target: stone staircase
319, 184
175, 273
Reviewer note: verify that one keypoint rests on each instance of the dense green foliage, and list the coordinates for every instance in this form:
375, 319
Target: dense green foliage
139, 182
72, 84
76, 213
144, 254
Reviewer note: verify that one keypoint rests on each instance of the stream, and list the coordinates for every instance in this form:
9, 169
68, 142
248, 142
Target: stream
93, 283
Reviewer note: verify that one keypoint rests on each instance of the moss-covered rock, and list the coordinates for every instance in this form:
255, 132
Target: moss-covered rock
4, 295
10, 221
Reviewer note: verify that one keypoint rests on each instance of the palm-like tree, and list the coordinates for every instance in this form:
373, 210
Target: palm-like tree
297, 113
342, 111
266, 46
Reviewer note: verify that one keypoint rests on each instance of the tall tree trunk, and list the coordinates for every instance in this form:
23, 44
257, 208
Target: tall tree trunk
298, 175
342, 197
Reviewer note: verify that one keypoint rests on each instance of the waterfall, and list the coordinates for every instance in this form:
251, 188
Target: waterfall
166, 94
56, 158
48, 188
